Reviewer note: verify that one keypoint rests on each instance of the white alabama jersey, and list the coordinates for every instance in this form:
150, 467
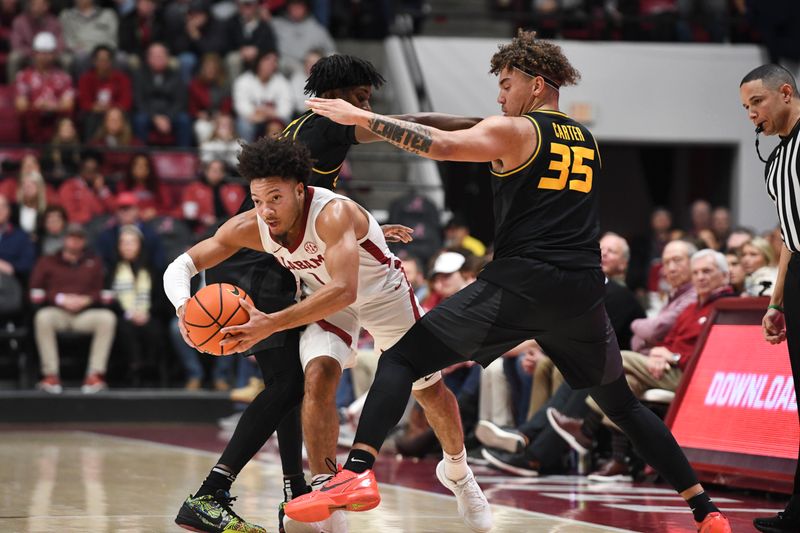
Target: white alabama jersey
379, 274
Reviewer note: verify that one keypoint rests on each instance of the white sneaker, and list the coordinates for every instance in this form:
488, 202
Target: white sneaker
335, 523
472, 505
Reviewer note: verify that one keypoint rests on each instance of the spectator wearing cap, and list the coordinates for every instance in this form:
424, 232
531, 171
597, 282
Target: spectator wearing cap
43, 92
68, 286
249, 36
34, 20
200, 34
261, 95
297, 33
127, 214
101, 88
445, 278
456, 235
160, 100
17, 252
87, 26
86, 195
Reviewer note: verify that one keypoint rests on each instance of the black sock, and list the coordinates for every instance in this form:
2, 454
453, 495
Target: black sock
701, 506
359, 461
218, 478
294, 486
591, 423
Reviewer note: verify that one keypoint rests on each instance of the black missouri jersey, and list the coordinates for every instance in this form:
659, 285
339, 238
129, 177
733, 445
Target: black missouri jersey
546, 208
328, 142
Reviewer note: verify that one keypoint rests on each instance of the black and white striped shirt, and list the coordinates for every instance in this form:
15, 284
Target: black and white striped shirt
783, 186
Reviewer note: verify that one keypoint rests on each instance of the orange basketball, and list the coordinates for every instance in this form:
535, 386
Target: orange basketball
214, 307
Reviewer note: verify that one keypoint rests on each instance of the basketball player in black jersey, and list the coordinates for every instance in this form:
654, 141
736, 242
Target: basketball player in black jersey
272, 288
544, 283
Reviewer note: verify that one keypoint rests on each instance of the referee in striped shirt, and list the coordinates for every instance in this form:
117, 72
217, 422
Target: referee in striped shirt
769, 94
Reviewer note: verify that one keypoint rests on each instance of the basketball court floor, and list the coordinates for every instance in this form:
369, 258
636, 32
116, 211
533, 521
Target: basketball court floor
132, 478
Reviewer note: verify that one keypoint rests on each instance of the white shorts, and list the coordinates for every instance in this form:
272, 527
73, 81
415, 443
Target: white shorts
387, 321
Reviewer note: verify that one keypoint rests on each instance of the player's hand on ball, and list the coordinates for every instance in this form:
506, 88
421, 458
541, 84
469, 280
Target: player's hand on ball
182, 326
397, 233
774, 326
239, 339
336, 109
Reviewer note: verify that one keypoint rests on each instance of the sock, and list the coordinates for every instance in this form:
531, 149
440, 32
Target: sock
294, 486
455, 466
359, 461
591, 424
218, 478
319, 480
701, 506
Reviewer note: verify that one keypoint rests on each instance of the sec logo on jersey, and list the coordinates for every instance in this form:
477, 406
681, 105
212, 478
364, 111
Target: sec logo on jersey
310, 248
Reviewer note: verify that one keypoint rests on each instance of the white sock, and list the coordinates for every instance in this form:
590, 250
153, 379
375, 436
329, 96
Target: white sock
319, 480
455, 466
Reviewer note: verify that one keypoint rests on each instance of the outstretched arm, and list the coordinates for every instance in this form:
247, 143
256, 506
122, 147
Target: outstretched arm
336, 228
440, 121
494, 138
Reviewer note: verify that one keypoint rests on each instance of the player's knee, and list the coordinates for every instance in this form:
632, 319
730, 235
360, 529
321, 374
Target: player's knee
434, 394
322, 375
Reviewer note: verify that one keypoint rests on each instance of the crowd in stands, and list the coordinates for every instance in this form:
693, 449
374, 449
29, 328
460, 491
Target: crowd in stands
738, 21
156, 73
89, 220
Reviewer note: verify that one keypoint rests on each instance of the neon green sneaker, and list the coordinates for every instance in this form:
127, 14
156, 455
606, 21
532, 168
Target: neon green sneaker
213, 514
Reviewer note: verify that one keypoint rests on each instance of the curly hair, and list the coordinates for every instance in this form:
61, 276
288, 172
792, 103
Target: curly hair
282, 158
339, 71
535, 57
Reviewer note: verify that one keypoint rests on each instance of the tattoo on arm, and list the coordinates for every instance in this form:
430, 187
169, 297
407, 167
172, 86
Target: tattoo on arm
413, 138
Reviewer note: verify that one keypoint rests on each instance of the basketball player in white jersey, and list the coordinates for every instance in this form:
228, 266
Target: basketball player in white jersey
338, 253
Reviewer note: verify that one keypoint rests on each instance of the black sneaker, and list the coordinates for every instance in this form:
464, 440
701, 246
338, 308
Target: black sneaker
783, 522
513, 463
213, 514
286, 524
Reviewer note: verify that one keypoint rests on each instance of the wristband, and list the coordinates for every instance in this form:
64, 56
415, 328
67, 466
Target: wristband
775, 307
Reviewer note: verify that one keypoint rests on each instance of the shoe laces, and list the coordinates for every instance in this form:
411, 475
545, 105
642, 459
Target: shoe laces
225, 500
473, 493
332, 466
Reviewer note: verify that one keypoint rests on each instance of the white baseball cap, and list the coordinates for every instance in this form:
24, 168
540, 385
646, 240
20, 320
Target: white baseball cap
44, 42
447, 263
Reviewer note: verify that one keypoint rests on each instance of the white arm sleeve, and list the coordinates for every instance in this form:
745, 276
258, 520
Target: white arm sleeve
177, 280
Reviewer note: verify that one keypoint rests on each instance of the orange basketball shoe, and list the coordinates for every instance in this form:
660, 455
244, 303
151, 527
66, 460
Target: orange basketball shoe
714, 523
346, 490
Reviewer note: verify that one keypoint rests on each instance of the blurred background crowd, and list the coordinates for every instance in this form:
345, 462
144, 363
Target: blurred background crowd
120, 124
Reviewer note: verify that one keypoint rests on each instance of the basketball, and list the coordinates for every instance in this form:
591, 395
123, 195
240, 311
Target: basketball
214, 307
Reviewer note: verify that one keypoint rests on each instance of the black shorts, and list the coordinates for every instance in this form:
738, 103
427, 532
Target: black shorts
517, 299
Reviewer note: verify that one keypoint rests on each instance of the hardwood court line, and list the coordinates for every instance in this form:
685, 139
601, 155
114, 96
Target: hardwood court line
213, 455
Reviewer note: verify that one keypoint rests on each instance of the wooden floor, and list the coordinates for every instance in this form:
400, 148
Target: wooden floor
85, 480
